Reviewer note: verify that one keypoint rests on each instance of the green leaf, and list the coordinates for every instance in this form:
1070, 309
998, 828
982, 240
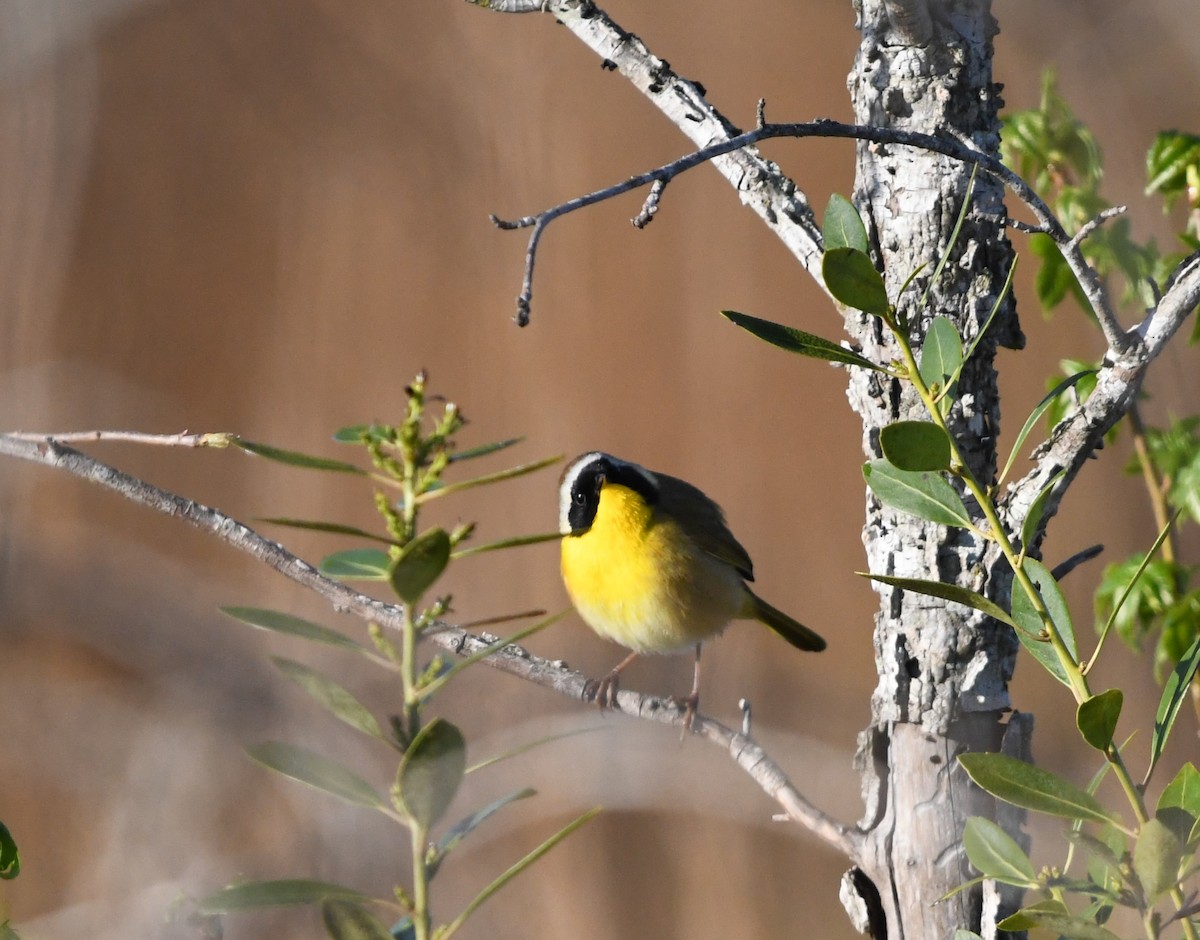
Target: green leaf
279, 622
1097, 718
1031, 625
357, 564
508, 474
915, 446
853, 280
347, 920
255, 894
948, 592
995, 853
923, 494
1168, 161
464, 827
797, 341
514, 542
1024, 785
336, 528
1174, 692
941, 360
297, 459
527, 746
842, 226
1135, 593
430, 773
1156, 857
10, 856
484, 449
1037, 413
354, 433
1051, 915
337, 699
1183, 792
316, 771
515, 869
961, 934
1037, 509
420, 564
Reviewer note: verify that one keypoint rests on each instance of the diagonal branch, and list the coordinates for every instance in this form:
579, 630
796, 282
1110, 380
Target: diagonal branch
1117, 383
512, 659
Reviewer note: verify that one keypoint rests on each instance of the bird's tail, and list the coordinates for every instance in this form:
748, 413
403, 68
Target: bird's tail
795, 633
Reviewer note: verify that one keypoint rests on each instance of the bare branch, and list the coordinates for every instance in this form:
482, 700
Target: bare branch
1078, 435
512, 659
183, 439
1092, 224
650, 207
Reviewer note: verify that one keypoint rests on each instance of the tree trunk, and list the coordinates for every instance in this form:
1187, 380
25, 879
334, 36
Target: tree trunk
943, 671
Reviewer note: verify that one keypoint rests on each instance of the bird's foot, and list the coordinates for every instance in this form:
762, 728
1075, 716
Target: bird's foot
689, 704
603, 691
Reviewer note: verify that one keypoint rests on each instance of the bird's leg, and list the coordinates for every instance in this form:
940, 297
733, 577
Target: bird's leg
692, 702
604, 691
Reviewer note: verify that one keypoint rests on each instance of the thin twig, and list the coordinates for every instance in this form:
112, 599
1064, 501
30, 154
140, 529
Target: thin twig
1118, 340
183, 439
650, 206
750, 756
1092, 224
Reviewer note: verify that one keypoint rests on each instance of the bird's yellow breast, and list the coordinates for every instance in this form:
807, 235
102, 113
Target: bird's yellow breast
638, 579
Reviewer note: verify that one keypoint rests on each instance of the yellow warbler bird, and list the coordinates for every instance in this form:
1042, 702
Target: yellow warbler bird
650, 563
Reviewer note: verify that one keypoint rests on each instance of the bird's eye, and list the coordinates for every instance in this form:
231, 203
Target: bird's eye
579, 499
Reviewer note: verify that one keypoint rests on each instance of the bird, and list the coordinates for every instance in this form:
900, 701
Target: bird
649, 562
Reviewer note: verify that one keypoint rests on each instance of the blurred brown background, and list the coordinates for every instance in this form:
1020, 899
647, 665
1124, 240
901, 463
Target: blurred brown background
263, 216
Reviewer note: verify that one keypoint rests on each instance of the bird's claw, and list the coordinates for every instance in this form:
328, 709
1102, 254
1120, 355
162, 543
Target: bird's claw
603, 691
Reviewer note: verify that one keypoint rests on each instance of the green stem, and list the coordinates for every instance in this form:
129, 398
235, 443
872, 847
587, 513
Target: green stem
420, 876
1075, 675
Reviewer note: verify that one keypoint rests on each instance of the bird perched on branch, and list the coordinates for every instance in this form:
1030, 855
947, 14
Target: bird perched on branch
650, 563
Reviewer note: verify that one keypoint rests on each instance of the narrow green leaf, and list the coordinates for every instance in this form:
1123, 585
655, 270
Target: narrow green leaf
297, 459
516, 869
797, 341
464, 827
255, 894
1174, 692
430, 773
1097, 718
1156, 857
529, 746
995, 853
953, 240
484, 449
842, 227
1037, 509
514, 542
941, 360
279, 622
508, 474
357, 564
923, 494
316, 771
1024, 785
1063, 924
1031, 625
1183, 792
915, 446
347, 920
948, 592
10, 855
1004, 291
335, 528
1036, 414
353, 434
853, 280
333, 696
420, 564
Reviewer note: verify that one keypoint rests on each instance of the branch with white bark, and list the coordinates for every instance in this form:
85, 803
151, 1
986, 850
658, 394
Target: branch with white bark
48, 450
